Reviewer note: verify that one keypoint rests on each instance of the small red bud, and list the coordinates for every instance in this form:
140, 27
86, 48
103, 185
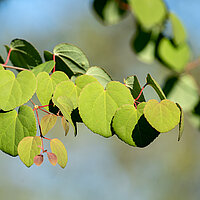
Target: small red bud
52, 158
38, 160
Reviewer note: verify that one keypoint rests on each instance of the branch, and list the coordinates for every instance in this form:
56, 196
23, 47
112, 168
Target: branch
192, 65
13, 67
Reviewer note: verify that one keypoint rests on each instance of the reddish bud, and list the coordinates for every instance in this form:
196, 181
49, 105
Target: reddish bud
38, 160
52, 158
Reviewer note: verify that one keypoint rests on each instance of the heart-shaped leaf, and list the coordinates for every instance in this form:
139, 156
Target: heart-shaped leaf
175, 57
14, 127
149, 13
100, 74
16, 91
98, 106
38, 160
58, 148
163, 116
72, 57
52, 158
47, 123
82, 81
23, 54
124, 122
28, 148
46, 85
44, 67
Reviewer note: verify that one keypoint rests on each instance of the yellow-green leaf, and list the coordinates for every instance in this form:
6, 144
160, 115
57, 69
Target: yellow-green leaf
58, 148
47, 123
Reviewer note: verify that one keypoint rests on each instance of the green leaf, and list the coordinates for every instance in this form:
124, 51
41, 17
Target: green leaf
66, 99
47, 84
124, 122
174, 57
150, 81
143, 133
14, 127
1, 67
23, 54
83, 80
163, 116
65, 125
98, 106
133, 84
185, 92
140, 109
58, 148
28, 149
179, 32
181, 123
100, 74
110, 11
73, 58
44, 67
66, 89
149, 13
47, 123
16, 91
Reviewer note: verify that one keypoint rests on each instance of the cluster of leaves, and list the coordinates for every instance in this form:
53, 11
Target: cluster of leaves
67, 87
160, 35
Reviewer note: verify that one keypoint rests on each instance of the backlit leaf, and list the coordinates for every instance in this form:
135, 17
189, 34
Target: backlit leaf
58, 148
14, 127
98, 106
44, 67
163, 116
16, 91
65, 125
28, 149
47, 123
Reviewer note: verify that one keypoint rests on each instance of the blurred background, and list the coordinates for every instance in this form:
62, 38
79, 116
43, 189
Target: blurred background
100, 168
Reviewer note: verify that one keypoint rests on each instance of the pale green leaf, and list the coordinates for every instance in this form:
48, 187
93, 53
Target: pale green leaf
14, 127
163, 116
44, 67
175, 57
16, 91
179, 32
58, 148
100, 74
47, 123
124, 122
46, 85
28, 148
149, 13
98, 106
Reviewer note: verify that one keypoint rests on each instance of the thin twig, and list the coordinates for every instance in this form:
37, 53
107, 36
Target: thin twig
13, 67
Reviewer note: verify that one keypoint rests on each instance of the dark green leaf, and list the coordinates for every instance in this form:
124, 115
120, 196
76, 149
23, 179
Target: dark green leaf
23, 54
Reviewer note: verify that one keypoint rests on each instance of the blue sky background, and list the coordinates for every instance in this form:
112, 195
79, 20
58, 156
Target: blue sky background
100, 168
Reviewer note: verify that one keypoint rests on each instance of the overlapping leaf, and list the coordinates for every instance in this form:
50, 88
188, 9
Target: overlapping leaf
98, 106
16, 91
163, 116
24, 54
14, 127
28, 148
44, 67
47, 123
58, 148
46, 85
